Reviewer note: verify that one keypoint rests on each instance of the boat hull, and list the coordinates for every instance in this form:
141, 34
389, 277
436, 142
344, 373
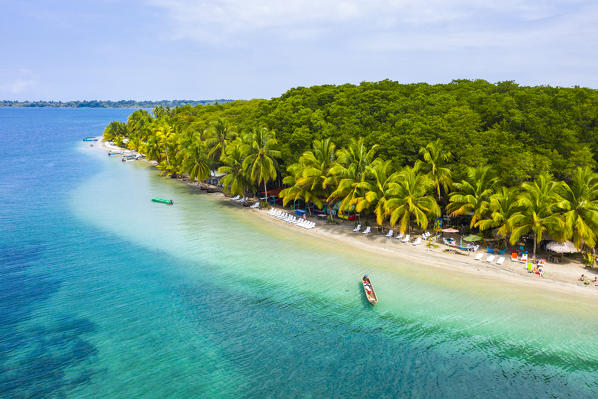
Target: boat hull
370, 294
163, 201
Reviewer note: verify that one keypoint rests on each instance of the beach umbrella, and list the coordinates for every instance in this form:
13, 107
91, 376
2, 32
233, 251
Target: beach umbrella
472, 238
566, 247
450, 230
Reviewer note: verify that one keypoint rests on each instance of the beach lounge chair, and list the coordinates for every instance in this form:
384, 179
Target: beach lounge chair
399, 236
236, 197
367, 230
479, 256
356, 229
390, 233
490, 250
502, 251
407, 238
256, 205
523, 258
417, 241
475, 248
490, 258
500, 260
514, 257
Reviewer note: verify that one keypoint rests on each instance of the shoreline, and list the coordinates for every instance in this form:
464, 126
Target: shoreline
559, 278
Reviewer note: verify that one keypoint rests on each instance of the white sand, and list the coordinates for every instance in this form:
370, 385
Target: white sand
561, 277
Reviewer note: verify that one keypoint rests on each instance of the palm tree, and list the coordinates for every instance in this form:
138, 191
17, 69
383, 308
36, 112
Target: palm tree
236, 181
350, 171
411, 200
138, 124
579, 203
502, 206
154, 148
167, 138
434, 157
537, 214
378, 190
307, 176
472, 195
195, 161
261, 157
220, 135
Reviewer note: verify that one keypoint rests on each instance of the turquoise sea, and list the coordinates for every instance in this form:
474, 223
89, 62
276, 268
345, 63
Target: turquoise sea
104, 294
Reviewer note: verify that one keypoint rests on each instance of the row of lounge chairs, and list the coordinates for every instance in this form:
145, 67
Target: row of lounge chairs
516, 258
290, 218
404, 238
490, 258
238, 198
453, 244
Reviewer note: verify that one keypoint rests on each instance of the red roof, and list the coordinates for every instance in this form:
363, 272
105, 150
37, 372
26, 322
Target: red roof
275, 191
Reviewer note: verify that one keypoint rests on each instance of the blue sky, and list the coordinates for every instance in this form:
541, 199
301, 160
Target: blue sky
184, 49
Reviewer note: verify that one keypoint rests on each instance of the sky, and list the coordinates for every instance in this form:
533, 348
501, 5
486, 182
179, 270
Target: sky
242, 49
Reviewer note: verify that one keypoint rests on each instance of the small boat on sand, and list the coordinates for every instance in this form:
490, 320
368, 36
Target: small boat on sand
369, 290
90, 139
114, 153
163, 201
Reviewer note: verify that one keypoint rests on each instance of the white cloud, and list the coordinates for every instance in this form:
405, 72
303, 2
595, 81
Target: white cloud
14, 82
229, 21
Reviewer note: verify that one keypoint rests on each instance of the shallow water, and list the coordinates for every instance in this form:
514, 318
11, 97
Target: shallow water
105, 293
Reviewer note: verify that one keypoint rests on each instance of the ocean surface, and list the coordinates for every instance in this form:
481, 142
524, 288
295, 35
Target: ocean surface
104, 294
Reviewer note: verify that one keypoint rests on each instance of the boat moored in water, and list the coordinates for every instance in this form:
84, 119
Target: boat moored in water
369, 290
90, 139
163, 201
114, 153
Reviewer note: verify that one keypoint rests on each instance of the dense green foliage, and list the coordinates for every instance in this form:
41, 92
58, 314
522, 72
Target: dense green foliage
513, 160
109, 104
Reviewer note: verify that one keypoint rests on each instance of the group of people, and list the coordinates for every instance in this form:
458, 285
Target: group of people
588, 282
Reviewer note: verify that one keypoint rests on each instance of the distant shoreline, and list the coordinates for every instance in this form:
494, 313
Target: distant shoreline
108, 104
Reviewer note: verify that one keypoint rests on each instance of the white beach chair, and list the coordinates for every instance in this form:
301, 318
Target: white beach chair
479, 256
500, 260
356, 229
407, 238
417, 241
236, 197
256, 205
399, 236
390, 233
367, 230
523, 258
490, 258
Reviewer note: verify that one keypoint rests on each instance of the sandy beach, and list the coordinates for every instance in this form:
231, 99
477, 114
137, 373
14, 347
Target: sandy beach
562, 277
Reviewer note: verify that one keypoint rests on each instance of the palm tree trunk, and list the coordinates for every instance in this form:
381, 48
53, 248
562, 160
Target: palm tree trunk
534, 246
265, 191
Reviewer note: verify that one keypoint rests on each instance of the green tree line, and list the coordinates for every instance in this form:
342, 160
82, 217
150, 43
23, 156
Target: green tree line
514, 160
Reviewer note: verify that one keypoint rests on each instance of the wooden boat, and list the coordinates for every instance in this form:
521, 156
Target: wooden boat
163, 201
114, 153
369, 290
90, 139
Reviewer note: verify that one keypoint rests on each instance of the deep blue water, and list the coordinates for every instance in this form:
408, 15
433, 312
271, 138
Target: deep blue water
103, 294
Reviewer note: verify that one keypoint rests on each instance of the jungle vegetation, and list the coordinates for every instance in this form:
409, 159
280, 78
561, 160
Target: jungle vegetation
513, 161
